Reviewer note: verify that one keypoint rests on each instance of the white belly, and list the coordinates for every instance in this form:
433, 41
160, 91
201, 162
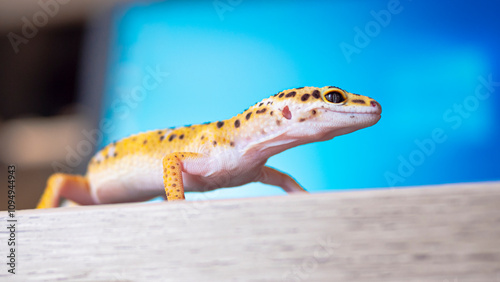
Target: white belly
132, 178
136, 178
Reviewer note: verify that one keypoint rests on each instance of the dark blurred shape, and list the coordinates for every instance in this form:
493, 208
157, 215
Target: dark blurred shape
40, 80
42, 108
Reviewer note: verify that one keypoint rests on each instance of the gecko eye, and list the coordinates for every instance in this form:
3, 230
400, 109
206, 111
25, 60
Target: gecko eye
335, 97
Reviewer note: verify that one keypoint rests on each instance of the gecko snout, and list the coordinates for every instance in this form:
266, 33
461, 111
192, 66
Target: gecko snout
375, 104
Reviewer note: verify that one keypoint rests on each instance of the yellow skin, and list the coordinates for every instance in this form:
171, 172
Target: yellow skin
220, 154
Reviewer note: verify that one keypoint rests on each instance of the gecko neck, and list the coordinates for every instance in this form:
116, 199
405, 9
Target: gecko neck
270, 140
263, 140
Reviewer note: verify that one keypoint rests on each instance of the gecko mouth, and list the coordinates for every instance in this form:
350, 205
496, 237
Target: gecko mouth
376, 112
373, 109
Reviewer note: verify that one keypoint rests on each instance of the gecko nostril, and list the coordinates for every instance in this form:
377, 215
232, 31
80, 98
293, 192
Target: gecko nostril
377, 106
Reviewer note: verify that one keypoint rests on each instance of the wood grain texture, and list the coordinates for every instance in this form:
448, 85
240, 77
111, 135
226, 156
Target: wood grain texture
441, 233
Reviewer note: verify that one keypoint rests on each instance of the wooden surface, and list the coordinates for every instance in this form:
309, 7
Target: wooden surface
442, 233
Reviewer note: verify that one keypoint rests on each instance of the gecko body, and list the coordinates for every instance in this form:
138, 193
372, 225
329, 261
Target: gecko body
218, 154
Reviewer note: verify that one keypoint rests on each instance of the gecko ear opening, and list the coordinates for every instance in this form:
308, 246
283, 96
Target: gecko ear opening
286, 113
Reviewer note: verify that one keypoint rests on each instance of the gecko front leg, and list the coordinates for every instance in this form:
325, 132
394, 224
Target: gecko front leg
173, 165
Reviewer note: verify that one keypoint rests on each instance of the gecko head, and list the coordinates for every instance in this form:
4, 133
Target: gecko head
326, 112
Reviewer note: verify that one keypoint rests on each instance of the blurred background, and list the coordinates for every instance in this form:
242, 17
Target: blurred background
77, 75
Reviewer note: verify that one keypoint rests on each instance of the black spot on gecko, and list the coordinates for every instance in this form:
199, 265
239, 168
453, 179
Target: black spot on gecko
215, 143
358, 101
278, 122
247, 117
159, 131
181, 137
269, 102
271, 113
304, 97
231, 144
302, 119
202, 137
145, 141
299, 88
291, 94
237, 123
220, 124
313, 112
115, 154
261, 111
172, 137
260, 104
281, 95
316, 94
162, 137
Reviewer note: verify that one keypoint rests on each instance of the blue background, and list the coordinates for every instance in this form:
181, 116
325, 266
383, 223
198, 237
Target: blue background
421, 64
